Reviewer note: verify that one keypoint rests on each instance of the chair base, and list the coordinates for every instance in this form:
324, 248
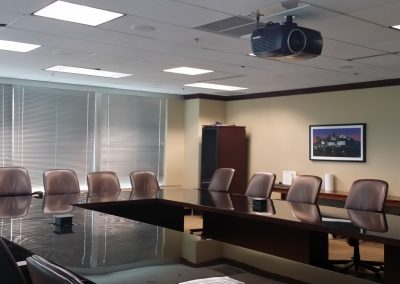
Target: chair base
344, 266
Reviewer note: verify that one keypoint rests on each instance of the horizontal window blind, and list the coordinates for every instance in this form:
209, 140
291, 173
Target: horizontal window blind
132, 135
45, 128
50, 130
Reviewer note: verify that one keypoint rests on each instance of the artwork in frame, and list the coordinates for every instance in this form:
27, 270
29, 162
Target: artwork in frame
338, 142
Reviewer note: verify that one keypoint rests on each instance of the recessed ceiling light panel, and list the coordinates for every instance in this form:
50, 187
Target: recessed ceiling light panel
87, 71
75, 13
17, 46
215, 86
397, 27
188, 71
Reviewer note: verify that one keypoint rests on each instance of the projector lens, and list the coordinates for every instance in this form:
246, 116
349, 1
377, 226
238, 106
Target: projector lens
296, 41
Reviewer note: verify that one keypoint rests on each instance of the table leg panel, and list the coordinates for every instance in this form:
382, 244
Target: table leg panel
277, 239
392, 264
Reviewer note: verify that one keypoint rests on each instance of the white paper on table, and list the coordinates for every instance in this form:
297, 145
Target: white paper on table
213, 280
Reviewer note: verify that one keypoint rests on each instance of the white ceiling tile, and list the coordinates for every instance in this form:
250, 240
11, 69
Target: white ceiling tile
374, 14
176, 34
233, 7
354, 31
341, 50
390, 61
27, 36
389, 46
346, 6
131, 7
351, 29
9, 17
23, 6
185, 15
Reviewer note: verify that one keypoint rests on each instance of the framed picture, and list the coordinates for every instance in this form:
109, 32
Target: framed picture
338, 142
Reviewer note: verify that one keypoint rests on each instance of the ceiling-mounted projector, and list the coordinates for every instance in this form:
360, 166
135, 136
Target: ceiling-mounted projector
286, 40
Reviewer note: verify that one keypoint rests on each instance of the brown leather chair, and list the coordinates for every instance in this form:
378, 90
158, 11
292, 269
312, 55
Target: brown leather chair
221, 179
14, 181
103, 183
261, 184
365, 195
43, 271
60, 181
10, 272
305, 189
144, 184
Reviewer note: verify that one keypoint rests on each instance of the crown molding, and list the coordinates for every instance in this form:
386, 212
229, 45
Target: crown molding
293, 92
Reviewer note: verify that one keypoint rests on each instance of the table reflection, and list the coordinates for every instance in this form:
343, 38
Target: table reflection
59, 203
14, 206
371, 221
307, 213
103, 197
215, 199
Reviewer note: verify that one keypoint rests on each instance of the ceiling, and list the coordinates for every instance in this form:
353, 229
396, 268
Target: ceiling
154, 35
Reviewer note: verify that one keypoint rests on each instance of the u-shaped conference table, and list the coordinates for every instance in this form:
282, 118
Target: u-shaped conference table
291, 230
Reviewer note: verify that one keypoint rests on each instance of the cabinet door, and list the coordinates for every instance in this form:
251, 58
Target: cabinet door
232, 154
209, 155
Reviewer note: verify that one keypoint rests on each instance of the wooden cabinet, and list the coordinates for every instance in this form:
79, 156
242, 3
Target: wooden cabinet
224, 147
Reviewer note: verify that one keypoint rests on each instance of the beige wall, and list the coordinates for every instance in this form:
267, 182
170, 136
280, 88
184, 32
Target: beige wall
191, 154
198, 113
210, 112
277, 129
174, 142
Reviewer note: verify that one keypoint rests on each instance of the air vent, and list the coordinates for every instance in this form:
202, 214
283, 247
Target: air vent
237, 26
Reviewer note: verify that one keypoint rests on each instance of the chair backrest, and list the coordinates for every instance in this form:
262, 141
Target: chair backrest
60, 181
10, 272
14, 181
261, 185
144, 183
43, 271
305, 189
221, 179
367, 195
103, 183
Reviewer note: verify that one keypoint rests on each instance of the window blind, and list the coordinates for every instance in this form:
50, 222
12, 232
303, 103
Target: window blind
44, 128
132, 135
51, 130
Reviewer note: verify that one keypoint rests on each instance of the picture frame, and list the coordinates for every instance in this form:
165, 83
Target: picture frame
338, 142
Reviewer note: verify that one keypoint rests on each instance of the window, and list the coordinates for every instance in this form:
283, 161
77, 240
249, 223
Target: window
43, 128
132, 135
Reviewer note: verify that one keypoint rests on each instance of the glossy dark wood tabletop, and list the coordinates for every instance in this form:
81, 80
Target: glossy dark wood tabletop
322, 218
102, 243
102, 247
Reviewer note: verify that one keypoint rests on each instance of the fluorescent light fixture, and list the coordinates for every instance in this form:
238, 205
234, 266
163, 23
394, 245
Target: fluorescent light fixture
86, 71
75, 13
188, 71
215, 86
17, 46
251, 54
397, 27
